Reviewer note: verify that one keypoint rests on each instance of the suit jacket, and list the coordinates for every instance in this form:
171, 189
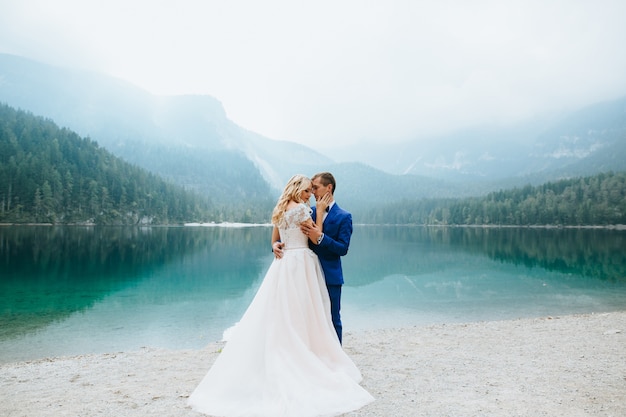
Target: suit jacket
337, 234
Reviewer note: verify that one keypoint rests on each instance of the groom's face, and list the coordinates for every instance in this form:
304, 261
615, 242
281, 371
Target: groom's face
319, 189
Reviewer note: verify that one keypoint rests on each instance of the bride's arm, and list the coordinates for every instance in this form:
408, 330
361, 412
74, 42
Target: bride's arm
320, 209
319, 221
313, 230
308, 223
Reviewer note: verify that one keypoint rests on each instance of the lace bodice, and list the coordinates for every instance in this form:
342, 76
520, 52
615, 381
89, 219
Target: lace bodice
289, 227
294, 216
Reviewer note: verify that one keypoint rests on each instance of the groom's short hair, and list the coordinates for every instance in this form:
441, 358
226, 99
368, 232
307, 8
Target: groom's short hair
326, 178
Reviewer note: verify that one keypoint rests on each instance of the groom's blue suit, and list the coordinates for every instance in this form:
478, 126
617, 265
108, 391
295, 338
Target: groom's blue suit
334, 245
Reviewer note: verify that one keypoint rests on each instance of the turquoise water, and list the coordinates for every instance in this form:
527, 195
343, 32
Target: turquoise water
74, 290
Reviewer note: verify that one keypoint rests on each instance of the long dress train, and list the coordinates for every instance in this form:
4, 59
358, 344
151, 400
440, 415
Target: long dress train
284, 358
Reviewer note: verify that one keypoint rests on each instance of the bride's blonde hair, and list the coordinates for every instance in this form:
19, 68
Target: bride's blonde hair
293, 191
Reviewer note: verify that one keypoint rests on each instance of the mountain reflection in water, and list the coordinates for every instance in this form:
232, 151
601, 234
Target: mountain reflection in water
70, 290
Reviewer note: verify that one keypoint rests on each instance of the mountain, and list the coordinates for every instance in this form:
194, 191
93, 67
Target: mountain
51, 175
178, 137
190, 141
585, 142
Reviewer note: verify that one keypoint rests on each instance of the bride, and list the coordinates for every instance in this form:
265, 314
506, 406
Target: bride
283, 358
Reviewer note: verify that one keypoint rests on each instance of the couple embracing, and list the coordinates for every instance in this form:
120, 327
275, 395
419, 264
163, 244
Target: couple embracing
284, 357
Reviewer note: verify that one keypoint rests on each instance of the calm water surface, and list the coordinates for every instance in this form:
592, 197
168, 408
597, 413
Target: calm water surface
74, 290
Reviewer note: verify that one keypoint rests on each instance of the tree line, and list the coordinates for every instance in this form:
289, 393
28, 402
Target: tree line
593, 200
51, 175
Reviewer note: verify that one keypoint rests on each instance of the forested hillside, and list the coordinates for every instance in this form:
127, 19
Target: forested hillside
52, 175
188, 139
597, 200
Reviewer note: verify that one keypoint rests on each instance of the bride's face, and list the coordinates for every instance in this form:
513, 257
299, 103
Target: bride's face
305, 195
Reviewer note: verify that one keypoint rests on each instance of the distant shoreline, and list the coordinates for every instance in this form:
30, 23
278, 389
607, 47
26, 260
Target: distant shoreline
241, 225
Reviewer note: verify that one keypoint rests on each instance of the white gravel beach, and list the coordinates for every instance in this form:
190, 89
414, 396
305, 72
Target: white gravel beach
553, 366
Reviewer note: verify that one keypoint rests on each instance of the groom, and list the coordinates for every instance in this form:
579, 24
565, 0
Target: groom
332, 243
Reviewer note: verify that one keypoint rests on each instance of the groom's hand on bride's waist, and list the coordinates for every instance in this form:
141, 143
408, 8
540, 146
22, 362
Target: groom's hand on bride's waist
277, 248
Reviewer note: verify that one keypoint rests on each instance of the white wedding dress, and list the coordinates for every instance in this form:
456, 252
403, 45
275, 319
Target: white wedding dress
283, 359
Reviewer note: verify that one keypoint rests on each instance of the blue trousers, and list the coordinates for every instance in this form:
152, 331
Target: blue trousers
334, 291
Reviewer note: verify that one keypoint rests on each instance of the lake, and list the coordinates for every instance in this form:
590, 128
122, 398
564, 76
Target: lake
76, 290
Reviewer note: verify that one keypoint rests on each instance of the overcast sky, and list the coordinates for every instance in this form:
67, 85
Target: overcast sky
323, 72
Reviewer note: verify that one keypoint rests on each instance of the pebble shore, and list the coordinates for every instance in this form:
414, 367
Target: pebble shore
566, 366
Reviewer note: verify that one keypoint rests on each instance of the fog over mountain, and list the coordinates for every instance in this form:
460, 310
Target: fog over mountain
182, 137
557, 146
334, 73
177, 137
